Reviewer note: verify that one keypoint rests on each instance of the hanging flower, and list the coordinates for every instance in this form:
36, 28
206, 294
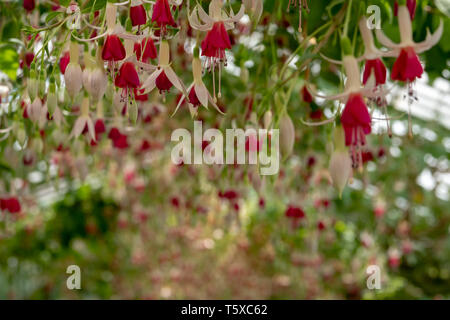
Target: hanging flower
340, 167
128, 80
10, 204
73, 75
374, 67
357, 124
407, 67
217, 40
198, 93
162, 15
145, 50
355, 118
163, 77
64, 61
138, 15
83, 121
113, 50
29, 5
119, 140
96, 80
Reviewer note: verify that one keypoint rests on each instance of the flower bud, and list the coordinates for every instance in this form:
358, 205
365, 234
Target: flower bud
73, 75
98, 82
34, 109
37, 145
32, 85
52, 99
287, 135
267, 119
340, 163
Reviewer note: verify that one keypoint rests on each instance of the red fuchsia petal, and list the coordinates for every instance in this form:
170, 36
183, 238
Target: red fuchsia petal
12, 205
29, 57
294, 212
407, 67
137, 50
193, 97
162, 14
3, 204
113, 49
163, 83
128, 77
29, 5
99, 127
307, 97
145, 145
64, 61
121, 142
410, 4
140, 97
216, 41
114, 134
354, 116
149, 50
367, 156
138, 15
376, 67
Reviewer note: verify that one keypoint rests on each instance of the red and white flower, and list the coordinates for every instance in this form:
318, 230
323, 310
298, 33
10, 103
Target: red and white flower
217, 40
138, 15
407, 67
84, 120
163, 77
198, 93
162, 15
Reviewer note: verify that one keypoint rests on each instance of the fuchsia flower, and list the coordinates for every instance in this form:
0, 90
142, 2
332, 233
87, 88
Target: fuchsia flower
64, 61
145, 50
407, 67
162, 15
163, 77
99, 127
127, 77
113, 49
357, 124
217, 40
376, 68
119, 140
29, 5
138, 15
355, 118
83, 121
198, 94
10, 204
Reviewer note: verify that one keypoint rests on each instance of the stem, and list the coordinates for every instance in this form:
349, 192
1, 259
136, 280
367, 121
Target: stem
347, 18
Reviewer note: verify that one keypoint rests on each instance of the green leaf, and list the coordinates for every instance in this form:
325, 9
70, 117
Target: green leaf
9, 62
